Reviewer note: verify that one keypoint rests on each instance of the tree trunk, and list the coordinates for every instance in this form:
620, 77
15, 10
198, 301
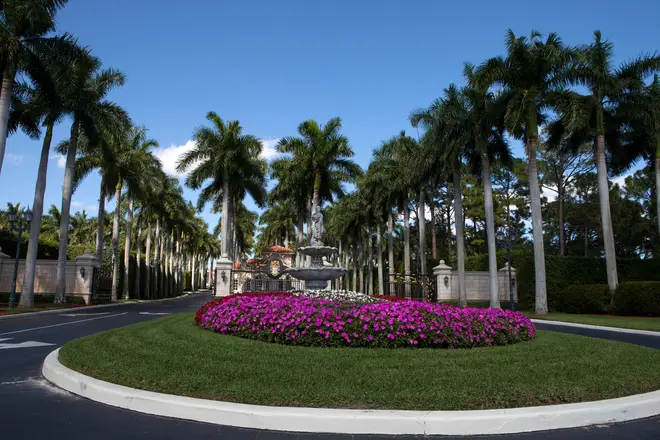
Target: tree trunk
605, 215
67, 191
434, 242
138, 254
361, 264
379, 252
406, 246
346, 265
286, 237
299, 239
560, 205
5, 101
27, 291
127, 250
100, 229
162, 288
340, 254
115, 242
421, 225
448, 228
355, 265
370, 266
308, 259
156, 289
490, 234
147, 262
537, 228
460, 245
657, 181
390, 250
193, 275
224, 221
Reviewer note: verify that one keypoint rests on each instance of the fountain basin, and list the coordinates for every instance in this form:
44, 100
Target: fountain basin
316, 277
317, 251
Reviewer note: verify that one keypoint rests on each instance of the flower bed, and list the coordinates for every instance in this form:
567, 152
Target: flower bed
337, 295
299, 320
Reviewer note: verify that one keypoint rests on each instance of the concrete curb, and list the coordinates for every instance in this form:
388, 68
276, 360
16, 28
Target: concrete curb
353, 421
85, 308
596, 327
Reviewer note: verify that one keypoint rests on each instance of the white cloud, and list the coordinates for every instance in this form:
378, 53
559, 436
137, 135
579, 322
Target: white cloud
14, 158
61, 160
89, 207
171, 155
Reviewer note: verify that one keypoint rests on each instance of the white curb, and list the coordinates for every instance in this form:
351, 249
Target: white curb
353, 421
596, 327
99, 306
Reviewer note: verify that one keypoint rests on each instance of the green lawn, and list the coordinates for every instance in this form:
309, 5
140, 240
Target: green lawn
171, 355
636, 323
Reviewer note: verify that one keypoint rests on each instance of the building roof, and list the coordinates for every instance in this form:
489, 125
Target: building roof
280, 249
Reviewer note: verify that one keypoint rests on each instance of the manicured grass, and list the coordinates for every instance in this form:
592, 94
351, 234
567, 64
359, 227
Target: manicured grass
636, 323
171, 355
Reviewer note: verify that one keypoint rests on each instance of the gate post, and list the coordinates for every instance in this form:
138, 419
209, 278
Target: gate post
442, 274
223, 275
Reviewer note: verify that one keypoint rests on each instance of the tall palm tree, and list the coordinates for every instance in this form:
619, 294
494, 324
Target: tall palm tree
323, 154
531, 70
26, 47
230, 160
443, 121
589, 116
85, 93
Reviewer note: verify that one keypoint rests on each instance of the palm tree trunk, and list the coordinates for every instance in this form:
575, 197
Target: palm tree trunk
115, 242
224, 237
286, 237
657, 181
460, 244
346, 265
421, 225
138, 254
586, 240
560, 202
162, 288
147, 262
605, 215
490, 234
370, 265
193, 275
434, 242
379, 252
5, 101
156, 290
448, 229
67, 191
100, 229
390, 250
127, 250
360, 264
355, 268
299, 240
406, 245
308, 259
27, 291
537, 228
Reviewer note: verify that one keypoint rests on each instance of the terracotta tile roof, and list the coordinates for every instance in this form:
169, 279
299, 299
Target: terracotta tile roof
237, 265
278, 248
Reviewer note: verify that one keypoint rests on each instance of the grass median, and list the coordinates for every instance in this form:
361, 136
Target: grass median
171, 355
630, 322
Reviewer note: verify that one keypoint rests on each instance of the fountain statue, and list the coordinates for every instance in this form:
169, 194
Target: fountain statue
316, 276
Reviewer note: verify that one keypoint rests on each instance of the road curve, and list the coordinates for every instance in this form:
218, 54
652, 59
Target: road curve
30, 408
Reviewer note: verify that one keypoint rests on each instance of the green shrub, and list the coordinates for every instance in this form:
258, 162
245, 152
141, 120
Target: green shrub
640, 298
562, 272
585, 298
44, 299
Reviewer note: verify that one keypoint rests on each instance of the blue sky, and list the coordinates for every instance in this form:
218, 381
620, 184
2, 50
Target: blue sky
272, 65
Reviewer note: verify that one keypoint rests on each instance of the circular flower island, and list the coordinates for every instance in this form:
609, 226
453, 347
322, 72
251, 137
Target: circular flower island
349, 319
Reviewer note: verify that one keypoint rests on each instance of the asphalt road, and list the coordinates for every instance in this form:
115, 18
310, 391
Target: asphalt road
30, 408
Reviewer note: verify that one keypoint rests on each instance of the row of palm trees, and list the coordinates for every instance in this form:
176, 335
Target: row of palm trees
467, 129
48, 79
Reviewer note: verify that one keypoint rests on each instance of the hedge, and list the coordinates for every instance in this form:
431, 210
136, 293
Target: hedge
585, 298
640, 298
46, 299
562, 272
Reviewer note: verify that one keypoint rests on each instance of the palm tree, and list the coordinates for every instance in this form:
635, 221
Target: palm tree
443, 121
323, 155
230, 160
531, 70
85, 91
26, 48
589, 116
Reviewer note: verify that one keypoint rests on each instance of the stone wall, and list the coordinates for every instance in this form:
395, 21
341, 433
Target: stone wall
45, 281
476, 284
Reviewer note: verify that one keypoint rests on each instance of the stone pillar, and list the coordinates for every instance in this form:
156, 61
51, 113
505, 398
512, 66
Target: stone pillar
442, 273
503, 281
84, 274
223, 275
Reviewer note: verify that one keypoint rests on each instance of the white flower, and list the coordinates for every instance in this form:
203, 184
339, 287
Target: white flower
333, 295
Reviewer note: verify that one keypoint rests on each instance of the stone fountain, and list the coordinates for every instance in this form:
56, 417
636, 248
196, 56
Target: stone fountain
316, 276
